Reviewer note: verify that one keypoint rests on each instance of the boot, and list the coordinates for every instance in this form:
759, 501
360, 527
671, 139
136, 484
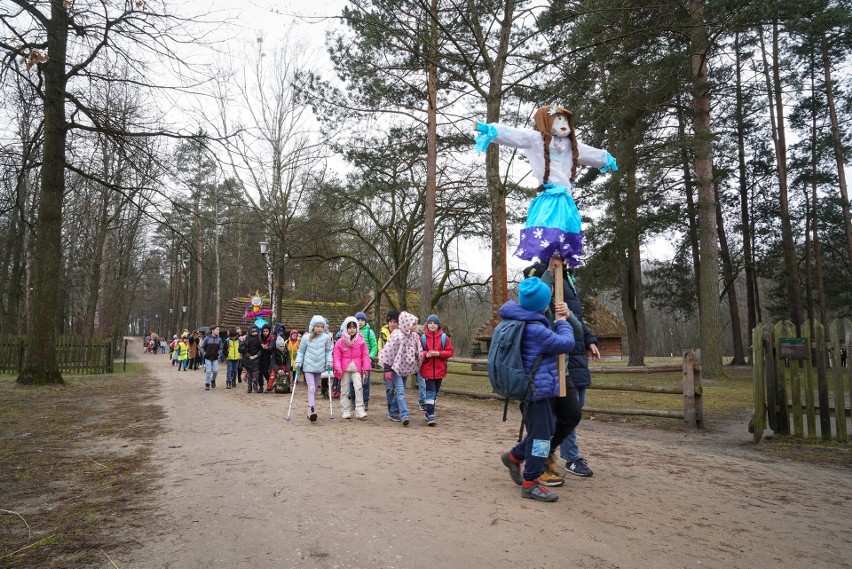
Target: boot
551, 476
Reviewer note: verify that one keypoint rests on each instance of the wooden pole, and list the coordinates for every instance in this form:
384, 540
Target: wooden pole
559, 296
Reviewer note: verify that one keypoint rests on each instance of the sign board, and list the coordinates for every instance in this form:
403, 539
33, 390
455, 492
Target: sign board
794, 348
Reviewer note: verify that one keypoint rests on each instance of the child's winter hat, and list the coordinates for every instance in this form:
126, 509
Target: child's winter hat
294, 332
360, 316
433, 318
533, 294
393, 315
349, 320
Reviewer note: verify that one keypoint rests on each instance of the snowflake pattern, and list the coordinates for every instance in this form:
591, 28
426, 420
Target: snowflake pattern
523, 235
544, 243
538, 232
520, 252
562, 238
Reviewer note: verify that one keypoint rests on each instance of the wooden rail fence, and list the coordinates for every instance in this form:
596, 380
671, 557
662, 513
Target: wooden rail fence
799, 378
74, 355
691, 391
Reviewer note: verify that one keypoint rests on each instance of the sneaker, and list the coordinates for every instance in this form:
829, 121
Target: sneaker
514, 468
347, 414
405, 421
394, 418
366, 407
538, 492
313, 415
421, 405
431, 421
360, 414
551, 479
213, 384
206, 387
228, 385
578, 467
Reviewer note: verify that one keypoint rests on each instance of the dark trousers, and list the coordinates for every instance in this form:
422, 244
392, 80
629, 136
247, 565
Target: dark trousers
567, 412
534, 449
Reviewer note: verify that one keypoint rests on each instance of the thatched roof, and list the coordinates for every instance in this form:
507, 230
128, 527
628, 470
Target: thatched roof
603, 322
412, 299
294, 313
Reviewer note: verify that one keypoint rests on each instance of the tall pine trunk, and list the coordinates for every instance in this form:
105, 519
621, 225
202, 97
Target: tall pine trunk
431, 164
709, 325
729, 274
745, 216
40, 366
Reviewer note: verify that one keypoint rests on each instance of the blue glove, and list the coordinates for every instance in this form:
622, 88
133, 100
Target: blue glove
610, 165
487, 134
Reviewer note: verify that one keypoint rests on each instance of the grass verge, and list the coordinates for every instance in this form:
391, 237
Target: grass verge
76, 472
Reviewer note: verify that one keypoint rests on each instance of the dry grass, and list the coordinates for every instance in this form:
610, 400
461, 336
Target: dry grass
75, 468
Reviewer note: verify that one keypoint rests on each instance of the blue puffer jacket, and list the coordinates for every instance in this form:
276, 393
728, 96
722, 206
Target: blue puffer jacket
578, 361
540, 339
314, 355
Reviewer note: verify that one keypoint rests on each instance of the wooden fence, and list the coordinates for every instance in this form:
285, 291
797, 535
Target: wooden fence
691, 390
799, 378
75, 356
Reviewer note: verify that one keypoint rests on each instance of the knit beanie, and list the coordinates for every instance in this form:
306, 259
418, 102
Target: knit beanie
533, 294
433, 318
393, 315
360, 316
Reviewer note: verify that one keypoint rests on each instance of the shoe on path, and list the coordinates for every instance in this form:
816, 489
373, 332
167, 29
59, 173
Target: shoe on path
206, 387
538, 492
360, 414
578, 467
431, 421
514, 468
347, 414
312, 416
394, 418
405, 421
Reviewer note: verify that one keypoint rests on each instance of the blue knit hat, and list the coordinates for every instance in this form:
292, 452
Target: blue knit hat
433, 318
360, 316
533, 294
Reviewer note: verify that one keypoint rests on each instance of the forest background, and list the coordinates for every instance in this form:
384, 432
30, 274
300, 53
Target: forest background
144, 158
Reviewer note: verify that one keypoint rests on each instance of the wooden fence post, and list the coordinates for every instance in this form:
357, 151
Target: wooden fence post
837, 376
693, 406
758, 369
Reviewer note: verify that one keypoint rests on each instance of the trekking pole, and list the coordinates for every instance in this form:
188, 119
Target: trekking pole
293, 392
330, 400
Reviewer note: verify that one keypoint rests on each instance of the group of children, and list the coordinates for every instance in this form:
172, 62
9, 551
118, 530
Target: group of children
268, 361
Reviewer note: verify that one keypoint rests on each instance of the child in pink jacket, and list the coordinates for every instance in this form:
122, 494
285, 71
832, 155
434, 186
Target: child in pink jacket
351, 358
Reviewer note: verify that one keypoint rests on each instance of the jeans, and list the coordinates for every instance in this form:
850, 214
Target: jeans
421, 383
535, 448
390, 392
211, 370
233, 370
399, 392
569, 450
430, 390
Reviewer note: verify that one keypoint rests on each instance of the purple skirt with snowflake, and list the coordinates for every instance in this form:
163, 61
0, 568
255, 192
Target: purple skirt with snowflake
553, 226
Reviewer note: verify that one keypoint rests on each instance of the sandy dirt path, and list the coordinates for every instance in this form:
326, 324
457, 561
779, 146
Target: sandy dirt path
240, 487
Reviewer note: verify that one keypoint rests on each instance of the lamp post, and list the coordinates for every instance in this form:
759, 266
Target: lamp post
182, 317
170, 323
269, 259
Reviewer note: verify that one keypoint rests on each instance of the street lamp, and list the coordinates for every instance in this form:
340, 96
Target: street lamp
269, 259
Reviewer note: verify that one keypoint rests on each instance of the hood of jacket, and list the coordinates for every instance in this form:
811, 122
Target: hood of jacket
317, 319
407, 321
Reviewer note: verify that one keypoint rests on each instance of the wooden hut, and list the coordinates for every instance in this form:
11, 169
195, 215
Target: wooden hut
609, 329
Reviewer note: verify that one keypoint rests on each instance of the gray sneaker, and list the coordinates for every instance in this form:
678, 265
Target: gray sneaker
394, 418
539, 493
514, 468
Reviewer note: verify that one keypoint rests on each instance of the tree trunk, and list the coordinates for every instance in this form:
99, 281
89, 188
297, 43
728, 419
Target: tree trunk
689, 192
633, 295
730, 281
710, 326
431, 165
838, 149
40, 366
779, 137
745, 216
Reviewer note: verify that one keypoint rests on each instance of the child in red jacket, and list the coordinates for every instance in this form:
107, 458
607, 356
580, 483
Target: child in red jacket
437, 349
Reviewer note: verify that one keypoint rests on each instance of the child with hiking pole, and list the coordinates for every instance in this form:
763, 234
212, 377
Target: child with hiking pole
314, 357
539, 347
351, 359
400, 357
437, 349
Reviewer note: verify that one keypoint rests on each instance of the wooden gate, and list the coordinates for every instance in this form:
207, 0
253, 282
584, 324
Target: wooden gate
802, 381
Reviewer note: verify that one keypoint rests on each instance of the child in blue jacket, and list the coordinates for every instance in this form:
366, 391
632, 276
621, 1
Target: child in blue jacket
538, 340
